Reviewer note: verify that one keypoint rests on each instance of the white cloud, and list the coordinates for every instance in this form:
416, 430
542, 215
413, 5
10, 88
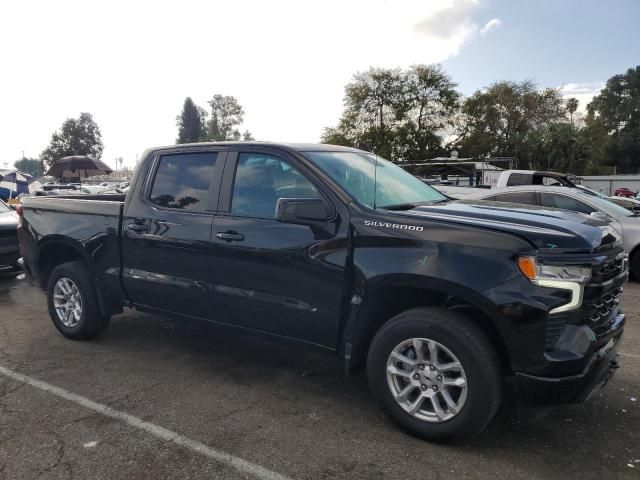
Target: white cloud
490, 25
584, 92
132, 63
453, 24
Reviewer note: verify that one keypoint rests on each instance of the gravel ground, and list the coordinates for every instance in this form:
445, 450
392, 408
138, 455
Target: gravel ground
281, 407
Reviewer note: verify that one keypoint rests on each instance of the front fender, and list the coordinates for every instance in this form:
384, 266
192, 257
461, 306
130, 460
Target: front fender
449, 265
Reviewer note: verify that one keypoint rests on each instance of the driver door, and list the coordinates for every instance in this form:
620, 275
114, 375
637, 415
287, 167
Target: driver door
268, 275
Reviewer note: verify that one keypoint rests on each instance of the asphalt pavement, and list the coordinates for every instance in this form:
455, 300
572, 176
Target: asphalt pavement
156, 397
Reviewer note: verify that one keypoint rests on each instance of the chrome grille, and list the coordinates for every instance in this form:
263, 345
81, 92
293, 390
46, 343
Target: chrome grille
609, 269
599, 312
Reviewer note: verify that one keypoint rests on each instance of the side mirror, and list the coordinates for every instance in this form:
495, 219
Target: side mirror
302, 211
600, 216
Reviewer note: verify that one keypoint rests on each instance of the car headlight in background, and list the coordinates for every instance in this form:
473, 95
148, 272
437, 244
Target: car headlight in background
565, 277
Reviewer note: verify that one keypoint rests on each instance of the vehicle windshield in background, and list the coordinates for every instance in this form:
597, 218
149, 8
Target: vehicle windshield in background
4, 207
393, 186
610, 208
591, 191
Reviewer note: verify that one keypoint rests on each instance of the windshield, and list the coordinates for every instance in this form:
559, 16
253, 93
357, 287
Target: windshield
355, 173
610, 208
591, 191
4, 207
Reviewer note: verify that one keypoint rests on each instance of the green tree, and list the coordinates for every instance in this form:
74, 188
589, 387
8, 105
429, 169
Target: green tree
559, 147
616, 110
431, 101
32, 166
372, 102
399, 114
572, 106
499, 120
596, 139
191, 123
226, 116
77, 136
246, 136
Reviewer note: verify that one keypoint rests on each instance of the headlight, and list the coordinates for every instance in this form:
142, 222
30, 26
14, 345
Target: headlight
564, 277
538, 273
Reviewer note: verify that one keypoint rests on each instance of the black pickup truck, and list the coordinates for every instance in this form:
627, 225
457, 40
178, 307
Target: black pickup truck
451, 306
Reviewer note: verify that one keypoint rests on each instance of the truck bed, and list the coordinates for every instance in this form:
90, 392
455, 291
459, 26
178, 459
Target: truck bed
90, 225
108, 205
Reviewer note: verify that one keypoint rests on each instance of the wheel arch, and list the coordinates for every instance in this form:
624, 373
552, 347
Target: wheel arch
56, 250
386, 298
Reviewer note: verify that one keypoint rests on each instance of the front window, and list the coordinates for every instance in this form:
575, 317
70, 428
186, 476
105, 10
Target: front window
261, 180
4, 207
565, 203
374, 181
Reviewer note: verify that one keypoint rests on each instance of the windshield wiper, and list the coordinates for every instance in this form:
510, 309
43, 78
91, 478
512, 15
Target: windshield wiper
411, 206
400, 206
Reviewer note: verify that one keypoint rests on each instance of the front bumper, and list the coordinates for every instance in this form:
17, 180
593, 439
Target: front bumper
8, 258
600, 367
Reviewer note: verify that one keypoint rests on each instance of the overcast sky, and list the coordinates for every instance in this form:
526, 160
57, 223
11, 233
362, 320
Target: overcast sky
132, 63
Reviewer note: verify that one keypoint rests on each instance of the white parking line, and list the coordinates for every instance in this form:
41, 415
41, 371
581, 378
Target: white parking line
155, 430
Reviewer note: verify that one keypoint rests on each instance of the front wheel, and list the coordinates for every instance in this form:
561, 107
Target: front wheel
73, 302
635, 265
435, 374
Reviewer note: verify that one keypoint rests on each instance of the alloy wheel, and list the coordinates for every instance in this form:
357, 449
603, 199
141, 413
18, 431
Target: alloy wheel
427, 380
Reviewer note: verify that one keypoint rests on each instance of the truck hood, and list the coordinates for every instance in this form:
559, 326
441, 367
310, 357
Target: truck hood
545, 228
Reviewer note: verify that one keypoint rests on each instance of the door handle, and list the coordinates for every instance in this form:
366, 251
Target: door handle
230, 236
138, 227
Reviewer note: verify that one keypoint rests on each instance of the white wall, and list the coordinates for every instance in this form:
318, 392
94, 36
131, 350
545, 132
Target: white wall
609, 183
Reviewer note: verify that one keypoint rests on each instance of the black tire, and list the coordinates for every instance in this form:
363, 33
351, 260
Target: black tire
91, 321
473, 350
635, 265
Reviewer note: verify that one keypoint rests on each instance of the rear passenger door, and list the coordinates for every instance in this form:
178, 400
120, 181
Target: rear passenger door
166, 238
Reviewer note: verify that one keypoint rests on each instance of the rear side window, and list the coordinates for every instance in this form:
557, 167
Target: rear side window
528, 198
182, 181
564, 202
261, 180
519, 179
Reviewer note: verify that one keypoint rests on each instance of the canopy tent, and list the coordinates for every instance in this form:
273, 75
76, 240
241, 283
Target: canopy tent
81, 166
15, 182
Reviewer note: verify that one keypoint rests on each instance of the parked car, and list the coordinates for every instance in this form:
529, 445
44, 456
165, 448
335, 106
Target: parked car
8, 238
451, 306
625, 192
626, 222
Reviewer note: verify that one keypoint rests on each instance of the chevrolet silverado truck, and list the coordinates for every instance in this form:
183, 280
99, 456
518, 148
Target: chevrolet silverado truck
451, 307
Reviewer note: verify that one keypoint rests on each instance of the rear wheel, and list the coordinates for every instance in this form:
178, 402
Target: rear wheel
435, 374
73, 302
